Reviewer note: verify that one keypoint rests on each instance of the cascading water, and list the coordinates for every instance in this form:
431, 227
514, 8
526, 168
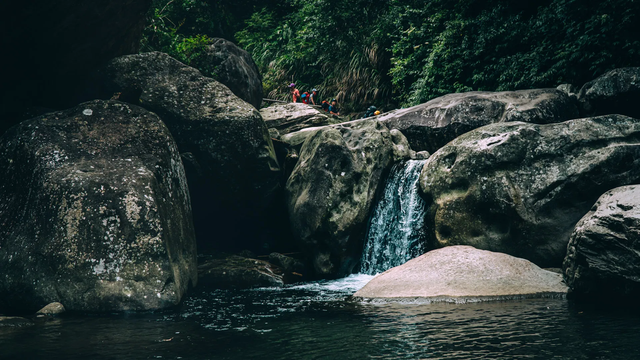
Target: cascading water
396, 230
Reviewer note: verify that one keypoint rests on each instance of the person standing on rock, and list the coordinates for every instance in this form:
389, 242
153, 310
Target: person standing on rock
313, 96
333, 108
295, 92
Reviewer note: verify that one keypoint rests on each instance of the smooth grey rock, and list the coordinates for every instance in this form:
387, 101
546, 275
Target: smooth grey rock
332, 187
275, 134
292, 117
233, 171
520, 188
462, 274
239, 272
616, 92
296, 139
55, 308
94, 212
603, 256
422, 155
568, 89
431, 125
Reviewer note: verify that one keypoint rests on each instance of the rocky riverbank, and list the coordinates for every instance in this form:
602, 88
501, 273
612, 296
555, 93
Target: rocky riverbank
105, 205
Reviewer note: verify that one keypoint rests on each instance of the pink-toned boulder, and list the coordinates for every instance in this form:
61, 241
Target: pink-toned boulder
463, 274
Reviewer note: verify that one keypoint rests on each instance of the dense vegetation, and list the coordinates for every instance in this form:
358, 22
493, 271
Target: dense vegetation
405, 52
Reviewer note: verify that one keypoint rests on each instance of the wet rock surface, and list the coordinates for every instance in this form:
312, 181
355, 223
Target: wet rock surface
292, 117
520, 188
431, 125
331, 190
14, 321
603, 256
94, 212
616, 92
239, 272
229, 157
464, 274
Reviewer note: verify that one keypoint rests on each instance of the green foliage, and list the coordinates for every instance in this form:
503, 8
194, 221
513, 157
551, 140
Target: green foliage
403, 52
445, 46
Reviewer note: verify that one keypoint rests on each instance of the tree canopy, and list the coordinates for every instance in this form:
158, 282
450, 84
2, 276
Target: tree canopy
393, 53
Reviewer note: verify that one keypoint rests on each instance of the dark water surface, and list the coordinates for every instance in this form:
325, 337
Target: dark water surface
313, 321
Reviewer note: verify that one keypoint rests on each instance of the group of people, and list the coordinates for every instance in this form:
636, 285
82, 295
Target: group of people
313, 99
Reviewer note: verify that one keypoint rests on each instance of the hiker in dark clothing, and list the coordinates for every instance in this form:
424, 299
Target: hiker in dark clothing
325, 105
314, 96
333, 108
370, 111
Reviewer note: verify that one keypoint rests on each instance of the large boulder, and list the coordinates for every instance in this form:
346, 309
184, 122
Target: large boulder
431, 125
331, 191
463, 274
229, 157
520, 188
292, 117
94, 212
234, 67
603, 256
54, 45
616, 92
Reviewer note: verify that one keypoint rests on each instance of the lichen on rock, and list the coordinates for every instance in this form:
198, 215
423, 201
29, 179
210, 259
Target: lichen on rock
95, 212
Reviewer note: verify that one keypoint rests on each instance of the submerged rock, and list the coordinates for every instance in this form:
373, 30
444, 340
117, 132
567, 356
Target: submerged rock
331, 190
292, 117
520, 188
13, 321
603, 256
463, 274
239, 272
431, 125
55, 308
94, 212
616, 92
229, 157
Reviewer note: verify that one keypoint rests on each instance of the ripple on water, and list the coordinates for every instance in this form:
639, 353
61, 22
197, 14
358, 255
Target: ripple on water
312, 321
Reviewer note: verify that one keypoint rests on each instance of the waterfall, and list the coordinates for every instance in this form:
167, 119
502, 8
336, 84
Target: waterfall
396, 231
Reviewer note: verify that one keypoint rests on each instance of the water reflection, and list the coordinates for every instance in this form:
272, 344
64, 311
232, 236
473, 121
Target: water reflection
314, 322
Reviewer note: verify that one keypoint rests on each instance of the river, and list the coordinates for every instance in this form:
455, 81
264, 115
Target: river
317, 321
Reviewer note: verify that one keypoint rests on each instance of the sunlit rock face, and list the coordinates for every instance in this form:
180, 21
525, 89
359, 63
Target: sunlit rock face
520, 188
50, 47
231, 165
602, 260
332, 188
616, 92
94, 212
463, 274
431, 125
289, 118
